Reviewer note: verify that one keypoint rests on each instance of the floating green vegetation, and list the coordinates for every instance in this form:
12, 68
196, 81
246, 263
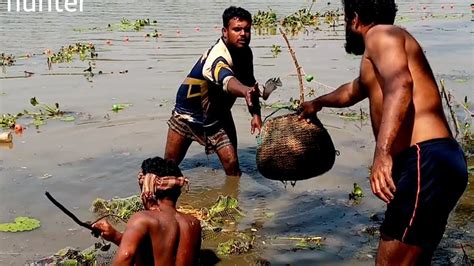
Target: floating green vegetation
40, 114
8, 120
241, 244
120, 106
266, 22
67, 53
7, 60
354, 115
123, 207
21, 224
357, 193
264, 19
331, 17
298, 20
276, 50
127, 25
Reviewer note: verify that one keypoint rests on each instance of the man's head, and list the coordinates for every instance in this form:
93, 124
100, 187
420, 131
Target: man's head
365, 13
237, 23
163, 169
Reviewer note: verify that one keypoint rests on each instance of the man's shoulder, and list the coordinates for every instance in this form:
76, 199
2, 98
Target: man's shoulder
189, 218
219, 50
380, 30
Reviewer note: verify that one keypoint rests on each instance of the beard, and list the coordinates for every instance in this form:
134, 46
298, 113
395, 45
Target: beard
354, 42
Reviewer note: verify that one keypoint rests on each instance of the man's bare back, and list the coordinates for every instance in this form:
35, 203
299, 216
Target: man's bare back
173, 238
425, 119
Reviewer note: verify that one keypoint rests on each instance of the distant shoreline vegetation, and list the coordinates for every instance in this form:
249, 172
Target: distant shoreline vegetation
45, 6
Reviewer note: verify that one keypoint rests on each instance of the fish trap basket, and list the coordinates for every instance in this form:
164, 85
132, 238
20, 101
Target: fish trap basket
292, 150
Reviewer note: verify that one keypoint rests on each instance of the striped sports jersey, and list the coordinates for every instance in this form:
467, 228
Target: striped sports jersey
202, 98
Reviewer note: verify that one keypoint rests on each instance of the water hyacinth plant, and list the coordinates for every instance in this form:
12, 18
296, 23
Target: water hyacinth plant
127, 25
21, 224
67, 53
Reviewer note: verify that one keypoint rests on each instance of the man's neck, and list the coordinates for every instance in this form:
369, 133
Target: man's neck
167, 203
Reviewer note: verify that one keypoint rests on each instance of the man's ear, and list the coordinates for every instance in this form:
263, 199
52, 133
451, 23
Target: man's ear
355, 21
224, 33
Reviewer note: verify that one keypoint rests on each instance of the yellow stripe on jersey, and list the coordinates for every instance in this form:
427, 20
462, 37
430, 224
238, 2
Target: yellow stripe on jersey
192, 81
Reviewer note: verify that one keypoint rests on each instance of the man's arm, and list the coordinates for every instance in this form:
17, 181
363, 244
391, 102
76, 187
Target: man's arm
386, 49
251, 94
133, 235
346, 95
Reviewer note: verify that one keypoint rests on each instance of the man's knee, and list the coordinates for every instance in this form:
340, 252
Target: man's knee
231, 166
229, 160
394, 252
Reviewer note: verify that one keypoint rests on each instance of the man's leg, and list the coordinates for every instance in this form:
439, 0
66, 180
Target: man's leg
394, 252
229, 160
228, 154
176, 146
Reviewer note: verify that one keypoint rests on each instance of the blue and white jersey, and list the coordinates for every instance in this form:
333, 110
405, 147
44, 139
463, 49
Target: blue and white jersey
202, 97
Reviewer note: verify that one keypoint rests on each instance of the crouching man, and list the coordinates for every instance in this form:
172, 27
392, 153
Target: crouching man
158, 235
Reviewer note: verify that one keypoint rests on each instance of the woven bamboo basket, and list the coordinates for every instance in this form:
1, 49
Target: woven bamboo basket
292, 150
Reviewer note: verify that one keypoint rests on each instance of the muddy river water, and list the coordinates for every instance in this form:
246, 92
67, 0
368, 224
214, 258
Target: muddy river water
99, 153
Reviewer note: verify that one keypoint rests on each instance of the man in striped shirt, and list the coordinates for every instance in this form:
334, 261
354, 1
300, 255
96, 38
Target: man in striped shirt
204, 100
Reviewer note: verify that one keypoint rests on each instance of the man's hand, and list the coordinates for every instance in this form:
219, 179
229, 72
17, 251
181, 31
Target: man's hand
309, 109
256, 123
107, 231
381, 180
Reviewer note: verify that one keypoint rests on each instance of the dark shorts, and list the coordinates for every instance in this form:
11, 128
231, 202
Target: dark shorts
212, 142
430, 178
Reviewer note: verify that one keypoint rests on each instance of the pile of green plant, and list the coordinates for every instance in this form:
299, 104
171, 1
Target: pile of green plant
121, 207
73, 257
127, 25
66, 53
240, 244
224, 210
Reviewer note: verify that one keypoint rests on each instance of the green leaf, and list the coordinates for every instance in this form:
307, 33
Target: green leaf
33, 101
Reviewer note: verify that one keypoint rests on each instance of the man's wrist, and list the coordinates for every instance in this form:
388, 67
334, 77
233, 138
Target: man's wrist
254, 110
382, 150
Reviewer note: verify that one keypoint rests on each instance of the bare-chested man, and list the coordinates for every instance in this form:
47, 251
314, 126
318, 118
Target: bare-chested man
159, 235
418, 168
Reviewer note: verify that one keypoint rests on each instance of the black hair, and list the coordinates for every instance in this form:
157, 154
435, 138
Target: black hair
162, 167
235, 12
371, 11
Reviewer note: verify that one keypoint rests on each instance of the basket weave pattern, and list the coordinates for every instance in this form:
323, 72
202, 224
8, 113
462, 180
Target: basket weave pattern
294, 150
